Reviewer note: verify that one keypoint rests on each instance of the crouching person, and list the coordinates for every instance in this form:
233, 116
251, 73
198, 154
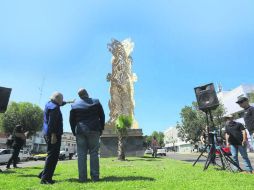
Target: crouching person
87, 121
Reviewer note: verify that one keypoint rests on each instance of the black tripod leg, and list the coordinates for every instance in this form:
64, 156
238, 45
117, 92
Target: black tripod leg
222, 159
210, 157
229, 159
200, 155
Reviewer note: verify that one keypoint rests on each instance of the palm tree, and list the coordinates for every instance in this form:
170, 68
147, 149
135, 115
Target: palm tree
122, 123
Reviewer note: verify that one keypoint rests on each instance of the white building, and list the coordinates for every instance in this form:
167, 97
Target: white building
69, 142
38, 143
174, 143
229, 98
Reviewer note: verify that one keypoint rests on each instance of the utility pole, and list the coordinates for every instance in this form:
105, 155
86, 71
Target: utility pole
41, 89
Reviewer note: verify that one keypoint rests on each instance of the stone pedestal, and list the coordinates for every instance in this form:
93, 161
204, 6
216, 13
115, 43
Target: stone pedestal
133, 143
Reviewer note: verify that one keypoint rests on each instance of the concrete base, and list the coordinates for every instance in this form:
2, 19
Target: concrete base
133, 143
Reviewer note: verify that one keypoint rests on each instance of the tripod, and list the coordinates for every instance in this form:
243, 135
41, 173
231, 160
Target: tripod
215, 149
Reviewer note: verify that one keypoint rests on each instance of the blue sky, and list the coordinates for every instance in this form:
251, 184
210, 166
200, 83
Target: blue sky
179, 44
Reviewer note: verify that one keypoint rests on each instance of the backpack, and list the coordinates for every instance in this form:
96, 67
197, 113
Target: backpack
10, 141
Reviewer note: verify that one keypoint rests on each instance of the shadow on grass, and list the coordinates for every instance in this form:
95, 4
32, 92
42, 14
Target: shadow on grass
32, 175
115, 179
145, 158
36, 167
128, 178
193, 160
7, 172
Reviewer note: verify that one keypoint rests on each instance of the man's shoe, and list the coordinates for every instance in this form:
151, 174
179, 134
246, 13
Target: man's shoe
95, 179
40, 175
8, 167
44, 181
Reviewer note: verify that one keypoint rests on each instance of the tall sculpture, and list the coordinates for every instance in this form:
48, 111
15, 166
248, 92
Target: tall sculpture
121, 82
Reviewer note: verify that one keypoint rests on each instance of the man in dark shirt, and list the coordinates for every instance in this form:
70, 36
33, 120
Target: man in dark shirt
87, 122
248, 115
236, 138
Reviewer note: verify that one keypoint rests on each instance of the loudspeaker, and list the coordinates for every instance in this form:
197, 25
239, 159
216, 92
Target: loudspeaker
206, 97
4, 98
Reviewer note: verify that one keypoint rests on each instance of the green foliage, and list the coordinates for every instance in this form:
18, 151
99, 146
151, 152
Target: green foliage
251, 97
194, 122
123, 123
158, 135
24, 113
136, 174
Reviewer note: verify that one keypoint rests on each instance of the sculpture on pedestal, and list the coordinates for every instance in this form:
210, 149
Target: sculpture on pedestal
121, 82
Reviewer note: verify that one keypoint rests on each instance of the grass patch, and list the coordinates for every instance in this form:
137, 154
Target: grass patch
136, 173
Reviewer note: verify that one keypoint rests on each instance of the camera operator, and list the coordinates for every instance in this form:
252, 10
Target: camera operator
236, 138
19, 139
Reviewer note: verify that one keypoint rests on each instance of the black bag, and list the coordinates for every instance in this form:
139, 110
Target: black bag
10, 141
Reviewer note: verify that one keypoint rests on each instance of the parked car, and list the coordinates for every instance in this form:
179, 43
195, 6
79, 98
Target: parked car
40, 156
24, 155
161, 152
66, 152
148, 151
5, 155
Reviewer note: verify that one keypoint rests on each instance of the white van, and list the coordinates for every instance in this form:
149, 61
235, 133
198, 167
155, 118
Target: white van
24, 155
5, 155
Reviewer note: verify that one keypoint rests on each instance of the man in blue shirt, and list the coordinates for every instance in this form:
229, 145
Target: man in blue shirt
53, 130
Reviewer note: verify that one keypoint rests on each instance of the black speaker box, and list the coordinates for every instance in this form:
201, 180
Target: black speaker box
4, 98
206, 97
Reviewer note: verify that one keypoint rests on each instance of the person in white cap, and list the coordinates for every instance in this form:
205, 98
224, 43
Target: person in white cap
53, 130
236, 139
248, 117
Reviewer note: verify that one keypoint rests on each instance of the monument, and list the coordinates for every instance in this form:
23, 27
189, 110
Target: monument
121, 101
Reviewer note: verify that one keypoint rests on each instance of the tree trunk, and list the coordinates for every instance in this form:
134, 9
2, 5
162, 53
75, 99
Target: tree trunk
121, 155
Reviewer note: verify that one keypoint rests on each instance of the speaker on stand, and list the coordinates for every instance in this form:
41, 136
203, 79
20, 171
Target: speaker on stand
207, 101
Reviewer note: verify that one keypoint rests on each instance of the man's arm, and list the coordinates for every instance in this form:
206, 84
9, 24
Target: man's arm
101, 116
244, 137
227, 137
72, 121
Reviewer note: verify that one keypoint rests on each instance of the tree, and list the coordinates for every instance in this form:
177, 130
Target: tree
194, 122
28, 115
251, 97
123, 123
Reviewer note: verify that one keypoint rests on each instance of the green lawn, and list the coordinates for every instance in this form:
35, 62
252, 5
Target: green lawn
136, 173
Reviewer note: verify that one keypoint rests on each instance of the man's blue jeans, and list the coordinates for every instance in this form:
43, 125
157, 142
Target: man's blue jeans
88, 141
243, 151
